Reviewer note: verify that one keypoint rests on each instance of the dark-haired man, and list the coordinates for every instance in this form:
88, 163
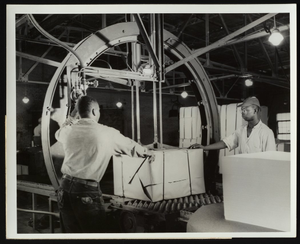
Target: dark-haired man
88, 147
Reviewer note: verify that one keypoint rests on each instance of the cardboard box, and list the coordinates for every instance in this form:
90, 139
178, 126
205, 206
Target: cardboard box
256, 189
190, 131
22, 169
174, 173
284, 147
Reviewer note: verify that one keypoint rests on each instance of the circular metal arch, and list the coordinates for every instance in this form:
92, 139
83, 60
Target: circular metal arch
95, 45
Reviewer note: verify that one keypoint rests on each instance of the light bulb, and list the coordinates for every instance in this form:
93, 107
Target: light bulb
248, 82
276, 37
119, 104
184, 94
25, 99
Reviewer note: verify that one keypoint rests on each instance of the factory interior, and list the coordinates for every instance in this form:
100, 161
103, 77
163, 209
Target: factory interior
167, 81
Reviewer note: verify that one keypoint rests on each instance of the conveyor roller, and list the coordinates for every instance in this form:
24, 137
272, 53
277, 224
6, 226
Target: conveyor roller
170, 206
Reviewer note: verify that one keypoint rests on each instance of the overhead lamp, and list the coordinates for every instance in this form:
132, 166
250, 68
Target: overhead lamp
25, 99
119, 104
276, 37
248, 82
184, 94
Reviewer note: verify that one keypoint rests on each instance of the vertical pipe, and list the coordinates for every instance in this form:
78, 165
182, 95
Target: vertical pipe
138, 132
207, 38
153, 42
132, 88
276, 63
136, 56
132, 111
246, 48
33, 208
103, 22
20, 75
160, 24
50, 216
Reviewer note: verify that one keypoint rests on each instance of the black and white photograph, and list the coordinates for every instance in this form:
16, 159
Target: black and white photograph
151, 121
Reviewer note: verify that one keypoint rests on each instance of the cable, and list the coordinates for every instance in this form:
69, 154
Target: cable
45, 33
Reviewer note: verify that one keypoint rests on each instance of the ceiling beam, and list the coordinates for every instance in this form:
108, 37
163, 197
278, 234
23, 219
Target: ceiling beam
237, 55
114, 73
185, 25
258, 77
254, 36
38, 59
21, 20
43, 56
219, 43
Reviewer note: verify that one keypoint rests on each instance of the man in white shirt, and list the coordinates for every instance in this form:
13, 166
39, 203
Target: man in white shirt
250, 138
88, 147
37, 130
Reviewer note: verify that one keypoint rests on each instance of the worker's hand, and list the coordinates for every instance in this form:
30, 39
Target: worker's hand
196, 145
74, 112
151, 156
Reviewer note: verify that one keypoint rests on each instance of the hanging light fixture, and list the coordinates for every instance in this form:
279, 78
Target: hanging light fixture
276, 37
184, 94
249, 82
25, 98
119, 104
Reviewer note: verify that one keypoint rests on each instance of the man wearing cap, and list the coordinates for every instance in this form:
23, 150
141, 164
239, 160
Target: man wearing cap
251, 138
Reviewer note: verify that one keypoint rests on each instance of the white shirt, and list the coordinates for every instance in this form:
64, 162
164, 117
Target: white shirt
261, 139
37, 130
89, 146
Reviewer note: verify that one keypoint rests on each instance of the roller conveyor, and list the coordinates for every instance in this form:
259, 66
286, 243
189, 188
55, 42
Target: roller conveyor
166, 215
167, 206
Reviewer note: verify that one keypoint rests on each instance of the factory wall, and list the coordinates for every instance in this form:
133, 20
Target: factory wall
27, 115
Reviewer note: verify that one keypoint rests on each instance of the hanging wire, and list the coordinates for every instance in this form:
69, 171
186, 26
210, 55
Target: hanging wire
274, 23
45, 33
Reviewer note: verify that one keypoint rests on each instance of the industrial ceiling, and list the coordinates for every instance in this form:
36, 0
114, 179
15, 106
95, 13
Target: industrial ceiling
228, 61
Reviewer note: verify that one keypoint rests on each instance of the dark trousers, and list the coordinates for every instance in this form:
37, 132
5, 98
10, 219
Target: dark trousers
81, 208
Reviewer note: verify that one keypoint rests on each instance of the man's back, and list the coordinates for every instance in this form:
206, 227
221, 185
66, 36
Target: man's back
88, 148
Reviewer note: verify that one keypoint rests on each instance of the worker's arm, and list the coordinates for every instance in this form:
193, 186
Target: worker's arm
125, 145
215, 146
71, 119
269, 143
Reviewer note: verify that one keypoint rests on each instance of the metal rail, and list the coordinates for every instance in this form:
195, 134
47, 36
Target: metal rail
37, 212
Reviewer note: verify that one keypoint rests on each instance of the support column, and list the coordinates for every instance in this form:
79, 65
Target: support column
207, 63
160, 51
136, 60
136, 54
245, 49
33, 208
153, 42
